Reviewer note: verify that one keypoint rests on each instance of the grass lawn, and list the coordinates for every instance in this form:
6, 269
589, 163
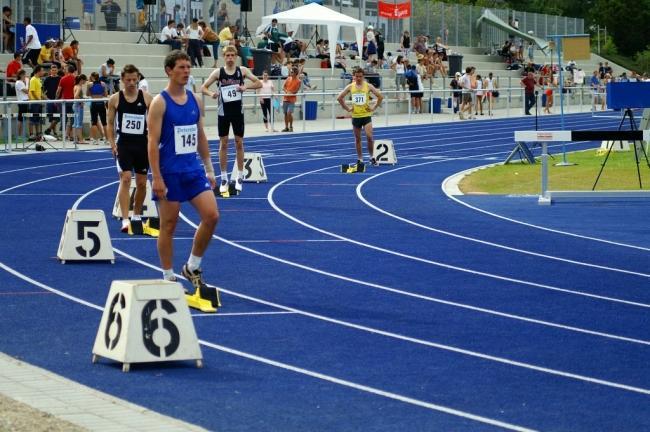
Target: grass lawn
516, 178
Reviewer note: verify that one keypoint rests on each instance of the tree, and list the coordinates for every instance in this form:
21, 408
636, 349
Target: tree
626, 21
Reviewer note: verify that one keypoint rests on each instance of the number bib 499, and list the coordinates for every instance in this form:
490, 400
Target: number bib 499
185, 139
133, 124
230, 93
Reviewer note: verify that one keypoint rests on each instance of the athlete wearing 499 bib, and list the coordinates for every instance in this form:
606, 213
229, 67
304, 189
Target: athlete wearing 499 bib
127, 134
230, 83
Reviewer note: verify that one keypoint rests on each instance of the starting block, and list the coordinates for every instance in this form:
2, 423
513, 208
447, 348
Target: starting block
231, 192
253, 168
148, 206
353, 168
85, 237
149, 228
384, 152
146, 321
205, 300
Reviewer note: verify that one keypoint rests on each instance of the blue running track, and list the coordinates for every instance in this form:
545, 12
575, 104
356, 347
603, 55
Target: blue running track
357, 302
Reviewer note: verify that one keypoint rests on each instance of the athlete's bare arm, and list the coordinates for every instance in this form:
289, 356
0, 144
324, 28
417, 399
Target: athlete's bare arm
377, 94
205, 88
255, 82
154, 126
110, 121
203, 147
341, 98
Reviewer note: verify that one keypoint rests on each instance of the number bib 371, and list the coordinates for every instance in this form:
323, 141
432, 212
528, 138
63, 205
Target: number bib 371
185, 139
359, 99
230, 93
132, 124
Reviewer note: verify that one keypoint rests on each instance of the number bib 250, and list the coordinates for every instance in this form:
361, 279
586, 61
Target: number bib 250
132, 124
185, 139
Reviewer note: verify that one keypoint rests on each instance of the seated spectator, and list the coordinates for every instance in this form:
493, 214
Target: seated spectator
45, 57
108, 76
210, 37
143, 84
420, 46
8, 30
13, 67
169, 35
440, 48
71, 55
321, 51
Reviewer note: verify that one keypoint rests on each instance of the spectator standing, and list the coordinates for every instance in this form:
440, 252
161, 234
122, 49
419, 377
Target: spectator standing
169, 35
22, 95
194, 36
456, 91
32, 46
490, 87
479, 95
266, 93
36, 94
594, 84
291, 87
400, 69
371, 49
97, 90
405, 43
528, 82
111, 10
66, 91
50, 85
78, 108
380, 48
8, 31
89, 13
466, 86
222, 16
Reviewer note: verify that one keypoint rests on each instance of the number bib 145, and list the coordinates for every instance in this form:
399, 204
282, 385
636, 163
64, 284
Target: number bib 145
185, 139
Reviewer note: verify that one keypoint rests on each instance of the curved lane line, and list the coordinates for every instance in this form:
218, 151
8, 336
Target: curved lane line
432, 262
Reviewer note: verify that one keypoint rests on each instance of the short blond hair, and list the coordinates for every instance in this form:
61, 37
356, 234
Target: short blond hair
229, 48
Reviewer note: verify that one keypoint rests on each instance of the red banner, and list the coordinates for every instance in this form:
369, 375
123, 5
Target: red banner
394, 11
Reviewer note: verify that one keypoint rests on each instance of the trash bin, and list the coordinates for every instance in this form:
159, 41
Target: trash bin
311, 108
455, 64
435, 106
245, 54
261, 61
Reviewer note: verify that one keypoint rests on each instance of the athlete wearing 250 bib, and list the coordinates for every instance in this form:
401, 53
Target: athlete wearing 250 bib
176, 135
127, 134
230, 82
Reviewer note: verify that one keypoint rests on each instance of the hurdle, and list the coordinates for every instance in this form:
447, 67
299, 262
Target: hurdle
547, 196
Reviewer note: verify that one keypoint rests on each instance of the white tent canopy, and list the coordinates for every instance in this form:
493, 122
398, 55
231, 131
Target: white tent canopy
315, 14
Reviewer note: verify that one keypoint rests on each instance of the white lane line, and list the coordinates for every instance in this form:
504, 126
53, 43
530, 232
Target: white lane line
42, 194
372, 390
543, 228
288, 241
417, 341
222, 314
295, 369
52, 165
52, 177
473, 239
432, 262
83, 197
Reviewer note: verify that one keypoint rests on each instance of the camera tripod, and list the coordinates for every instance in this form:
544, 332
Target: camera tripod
65, 26
629, 114
148, 34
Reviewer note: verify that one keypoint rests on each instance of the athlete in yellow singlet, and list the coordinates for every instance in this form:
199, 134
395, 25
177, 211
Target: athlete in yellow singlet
361, 109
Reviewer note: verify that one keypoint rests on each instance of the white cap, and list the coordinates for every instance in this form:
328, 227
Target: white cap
370, 27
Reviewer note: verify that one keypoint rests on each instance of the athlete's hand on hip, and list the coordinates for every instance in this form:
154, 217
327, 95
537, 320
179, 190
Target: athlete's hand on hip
212, 180
158, 187
242, 88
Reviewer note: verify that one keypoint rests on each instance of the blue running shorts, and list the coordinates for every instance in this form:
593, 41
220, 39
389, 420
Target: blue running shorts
185, 186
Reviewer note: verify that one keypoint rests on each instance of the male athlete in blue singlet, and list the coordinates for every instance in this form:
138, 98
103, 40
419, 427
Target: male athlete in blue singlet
176, 135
